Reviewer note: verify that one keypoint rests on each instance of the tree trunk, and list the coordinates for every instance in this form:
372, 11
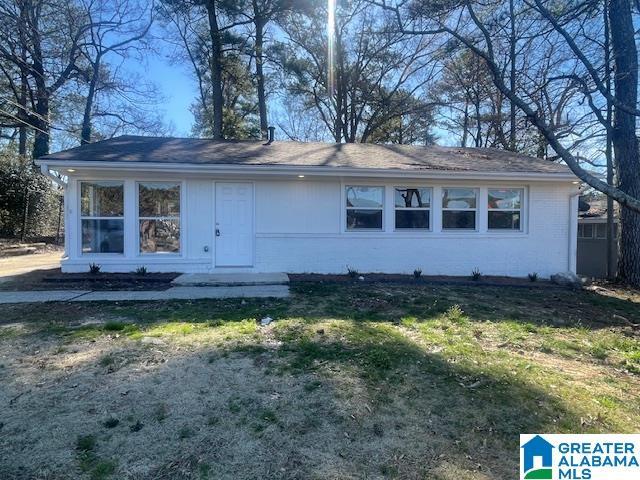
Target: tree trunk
465, 124
41, 124
25, 214
512, 77
625, 142
216, 69
612, 244
262, 101
22, 113
85, 136
41, 120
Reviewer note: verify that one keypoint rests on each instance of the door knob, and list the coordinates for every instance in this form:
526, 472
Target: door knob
217, 232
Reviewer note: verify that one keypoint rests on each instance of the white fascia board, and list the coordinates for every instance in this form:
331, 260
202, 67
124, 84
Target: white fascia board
188, 168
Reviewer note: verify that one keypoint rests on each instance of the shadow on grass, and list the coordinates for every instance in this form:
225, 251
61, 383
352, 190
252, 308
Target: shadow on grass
425, 414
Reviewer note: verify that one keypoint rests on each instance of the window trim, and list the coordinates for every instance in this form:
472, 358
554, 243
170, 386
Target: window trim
443, 209
344, 208
81, 217
139, 253
428, 209
521, 210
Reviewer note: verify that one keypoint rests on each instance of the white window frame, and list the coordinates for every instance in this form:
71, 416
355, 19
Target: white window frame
521, 210
428, 209
180, 218
476, 210
346, 208
82, 217
581, 228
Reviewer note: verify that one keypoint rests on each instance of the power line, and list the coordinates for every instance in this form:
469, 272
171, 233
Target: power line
51, 126
23, 122
22, 107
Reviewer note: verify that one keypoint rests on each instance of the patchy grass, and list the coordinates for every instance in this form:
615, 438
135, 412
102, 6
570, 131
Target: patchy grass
386, 381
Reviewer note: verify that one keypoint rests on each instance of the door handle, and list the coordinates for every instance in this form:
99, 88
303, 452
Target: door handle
217, 232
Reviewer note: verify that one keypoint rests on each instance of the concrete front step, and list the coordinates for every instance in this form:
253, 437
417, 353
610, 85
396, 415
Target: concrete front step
230, 279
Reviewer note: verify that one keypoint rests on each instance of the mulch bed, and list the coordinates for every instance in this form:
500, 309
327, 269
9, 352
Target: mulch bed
491, 281
56, 280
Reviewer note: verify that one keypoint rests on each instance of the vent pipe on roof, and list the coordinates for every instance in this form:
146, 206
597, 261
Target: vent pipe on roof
272, 135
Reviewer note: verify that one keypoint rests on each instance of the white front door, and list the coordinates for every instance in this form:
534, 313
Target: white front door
234, 224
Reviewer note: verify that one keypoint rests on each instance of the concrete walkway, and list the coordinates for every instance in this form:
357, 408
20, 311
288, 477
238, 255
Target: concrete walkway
175, 293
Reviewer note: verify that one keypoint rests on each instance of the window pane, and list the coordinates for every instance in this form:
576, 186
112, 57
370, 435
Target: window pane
102, 199
587, 229
365, 197
452, 219
102, 236
412, 219
159, 236
412, 197
504, 220
458, 198
364, 219
505, 198
159, 199
601, 230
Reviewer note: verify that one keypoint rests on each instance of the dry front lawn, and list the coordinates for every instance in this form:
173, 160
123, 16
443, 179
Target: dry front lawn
349, 381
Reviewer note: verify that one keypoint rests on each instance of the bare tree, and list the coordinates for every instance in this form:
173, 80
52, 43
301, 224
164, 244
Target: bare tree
39, 60
374, 74
117, 28
574, 30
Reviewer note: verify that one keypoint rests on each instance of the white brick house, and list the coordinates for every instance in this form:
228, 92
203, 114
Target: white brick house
193, 205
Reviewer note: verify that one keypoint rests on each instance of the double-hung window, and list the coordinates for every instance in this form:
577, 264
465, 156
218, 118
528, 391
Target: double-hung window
159, 217
364, 207
412, 208
505, 208
459, 208
102, 217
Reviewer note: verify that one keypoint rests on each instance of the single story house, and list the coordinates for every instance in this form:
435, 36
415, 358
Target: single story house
197, 205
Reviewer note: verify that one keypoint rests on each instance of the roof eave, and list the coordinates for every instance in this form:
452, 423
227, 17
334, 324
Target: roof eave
327, 171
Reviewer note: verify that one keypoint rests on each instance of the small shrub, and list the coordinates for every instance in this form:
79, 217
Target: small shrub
94, 268
352, 272
114, 326
162, 412
111, 422
311, 386
142, 270
103, 469
86, 443
107, 360
533, 277
268, 415
476, 274
417, 273
455, 314
136, 427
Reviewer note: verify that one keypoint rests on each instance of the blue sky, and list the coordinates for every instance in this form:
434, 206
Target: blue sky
177, 87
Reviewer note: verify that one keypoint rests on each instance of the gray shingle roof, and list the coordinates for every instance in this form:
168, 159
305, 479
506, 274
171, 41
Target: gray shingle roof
165, 150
